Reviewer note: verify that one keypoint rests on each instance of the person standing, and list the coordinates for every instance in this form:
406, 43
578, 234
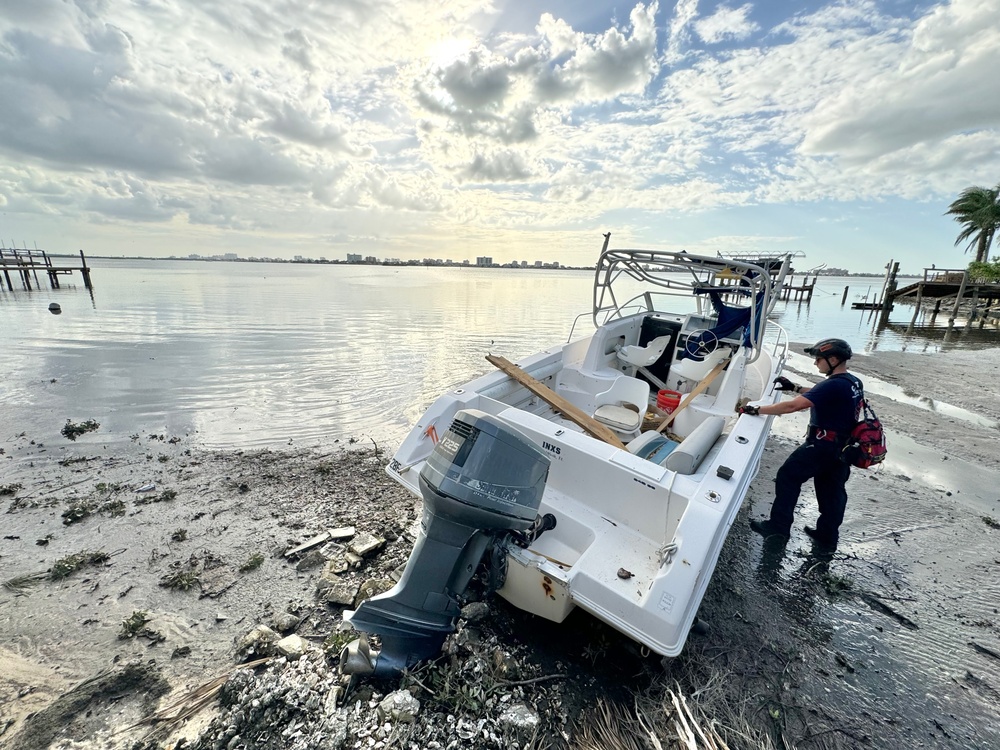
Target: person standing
834, 405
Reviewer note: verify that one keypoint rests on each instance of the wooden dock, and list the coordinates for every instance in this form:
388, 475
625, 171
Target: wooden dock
801, 293
953, 286
26, 265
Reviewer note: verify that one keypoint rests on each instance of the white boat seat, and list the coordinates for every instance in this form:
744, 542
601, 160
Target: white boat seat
644, 356
623, 405
686, 457
694, 369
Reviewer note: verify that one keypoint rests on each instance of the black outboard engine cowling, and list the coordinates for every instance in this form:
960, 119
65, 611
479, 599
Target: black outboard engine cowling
482, 477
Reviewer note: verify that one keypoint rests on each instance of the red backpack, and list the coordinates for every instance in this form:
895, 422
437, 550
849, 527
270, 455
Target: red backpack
866, 444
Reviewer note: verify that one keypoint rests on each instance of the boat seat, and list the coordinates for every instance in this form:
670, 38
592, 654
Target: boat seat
652, 446
623, 405
644, 356
695, 369
686, 458
683, 457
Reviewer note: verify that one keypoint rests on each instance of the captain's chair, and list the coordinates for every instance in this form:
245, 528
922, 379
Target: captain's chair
644, 356
623, 405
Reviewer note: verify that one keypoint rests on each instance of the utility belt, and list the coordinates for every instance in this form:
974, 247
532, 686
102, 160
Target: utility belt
817, 434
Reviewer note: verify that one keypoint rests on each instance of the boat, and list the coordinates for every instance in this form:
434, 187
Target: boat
560, 481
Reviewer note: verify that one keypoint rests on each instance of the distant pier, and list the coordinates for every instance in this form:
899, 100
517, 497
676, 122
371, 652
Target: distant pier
26, 265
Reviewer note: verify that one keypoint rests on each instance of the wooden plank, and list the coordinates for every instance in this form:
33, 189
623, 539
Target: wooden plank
706, 381
557, 402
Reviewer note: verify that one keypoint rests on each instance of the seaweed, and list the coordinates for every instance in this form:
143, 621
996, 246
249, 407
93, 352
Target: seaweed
73, 430
68, 565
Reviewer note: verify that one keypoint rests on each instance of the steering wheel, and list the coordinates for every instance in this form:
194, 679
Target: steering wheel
707, 342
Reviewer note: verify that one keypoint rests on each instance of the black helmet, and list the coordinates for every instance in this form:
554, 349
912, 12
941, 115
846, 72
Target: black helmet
830, 348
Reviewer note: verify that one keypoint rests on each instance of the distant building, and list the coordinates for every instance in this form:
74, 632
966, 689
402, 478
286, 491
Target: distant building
353, 258
484, 261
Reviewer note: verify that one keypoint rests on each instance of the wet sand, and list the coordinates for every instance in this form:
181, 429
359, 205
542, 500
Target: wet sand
893, 642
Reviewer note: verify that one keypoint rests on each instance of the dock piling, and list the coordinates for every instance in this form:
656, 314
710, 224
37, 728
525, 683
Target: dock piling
26, 265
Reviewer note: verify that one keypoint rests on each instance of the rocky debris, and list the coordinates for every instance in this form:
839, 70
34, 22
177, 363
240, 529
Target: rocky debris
344, 532
292, 647
333, 589
310, 560
364, 544
399, 706
285, 622
520, 717
475, 611
257, 643
288, 706
480, 694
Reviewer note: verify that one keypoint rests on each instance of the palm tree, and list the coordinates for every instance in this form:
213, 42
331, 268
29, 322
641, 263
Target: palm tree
978, 209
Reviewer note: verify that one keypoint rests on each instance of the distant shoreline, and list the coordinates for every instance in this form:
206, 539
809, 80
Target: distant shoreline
442, 264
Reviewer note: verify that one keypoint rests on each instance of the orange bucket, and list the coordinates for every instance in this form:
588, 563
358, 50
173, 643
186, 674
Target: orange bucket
667, 400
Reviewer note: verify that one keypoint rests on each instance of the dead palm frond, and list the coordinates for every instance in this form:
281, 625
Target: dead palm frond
188, 704
609, 727
20, 585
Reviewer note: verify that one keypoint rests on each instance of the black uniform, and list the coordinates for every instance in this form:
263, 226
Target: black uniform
835, 405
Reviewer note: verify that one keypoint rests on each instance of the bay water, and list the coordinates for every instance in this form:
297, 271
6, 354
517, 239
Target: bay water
247, 355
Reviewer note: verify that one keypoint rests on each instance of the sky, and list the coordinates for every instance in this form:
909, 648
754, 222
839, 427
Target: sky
520, 130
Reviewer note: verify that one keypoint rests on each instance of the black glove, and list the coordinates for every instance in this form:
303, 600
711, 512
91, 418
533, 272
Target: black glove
781, 383
750, 409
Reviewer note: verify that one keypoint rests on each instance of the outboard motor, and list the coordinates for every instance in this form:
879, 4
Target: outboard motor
482, 477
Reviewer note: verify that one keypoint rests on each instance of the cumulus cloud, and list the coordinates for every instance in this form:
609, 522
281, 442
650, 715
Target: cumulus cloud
510, 99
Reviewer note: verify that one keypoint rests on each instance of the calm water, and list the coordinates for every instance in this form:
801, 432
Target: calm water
251, 355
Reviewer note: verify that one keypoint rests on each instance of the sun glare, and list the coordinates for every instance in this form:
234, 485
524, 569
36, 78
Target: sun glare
446, 51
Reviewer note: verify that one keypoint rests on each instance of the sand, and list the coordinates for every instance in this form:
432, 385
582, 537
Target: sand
894, 641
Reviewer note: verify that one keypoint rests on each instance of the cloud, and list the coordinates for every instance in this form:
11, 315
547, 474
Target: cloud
517, 94
504, 166
679, 30
363, 119
726, 23
598, 66
942, 82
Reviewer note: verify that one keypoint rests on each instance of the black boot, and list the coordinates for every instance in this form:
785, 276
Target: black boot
767, 529
821, 539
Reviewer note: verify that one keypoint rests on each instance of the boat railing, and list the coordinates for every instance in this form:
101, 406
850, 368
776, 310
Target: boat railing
572, 330
777, 342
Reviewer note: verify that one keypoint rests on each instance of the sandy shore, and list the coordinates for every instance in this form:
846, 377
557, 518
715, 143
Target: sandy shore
894, 642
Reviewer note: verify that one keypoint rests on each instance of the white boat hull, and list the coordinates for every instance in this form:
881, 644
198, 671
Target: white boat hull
635, 542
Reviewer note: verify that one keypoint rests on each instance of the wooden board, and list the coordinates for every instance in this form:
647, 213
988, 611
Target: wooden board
557, 402
705, 382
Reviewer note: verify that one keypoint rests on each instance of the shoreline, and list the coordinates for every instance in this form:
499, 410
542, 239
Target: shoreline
873, 643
